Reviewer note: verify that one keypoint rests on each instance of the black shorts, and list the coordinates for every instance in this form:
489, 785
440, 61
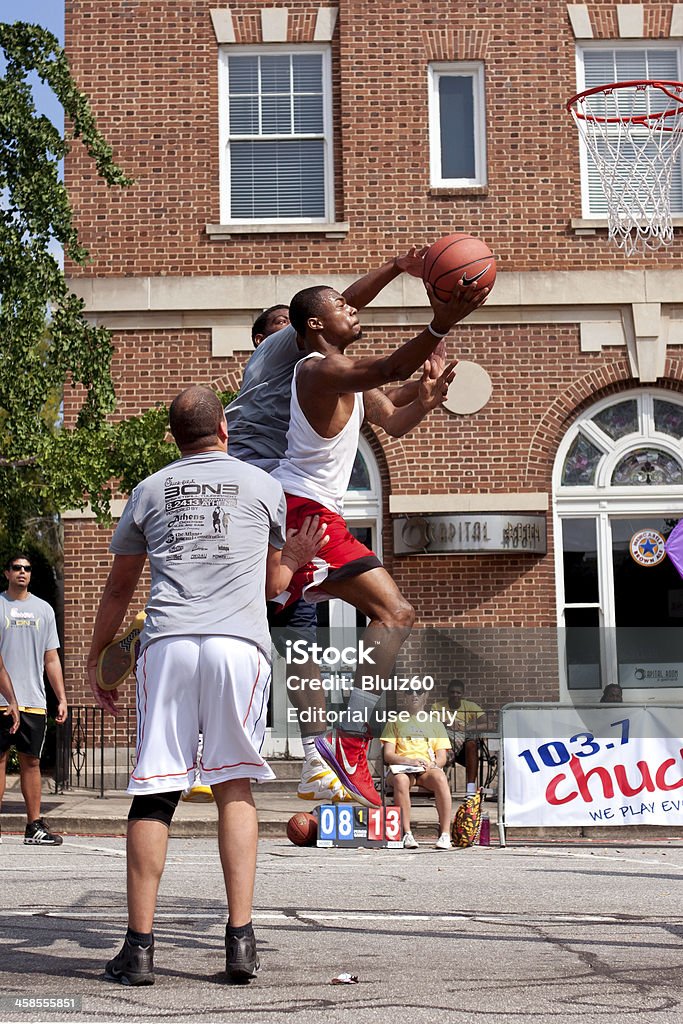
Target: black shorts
29, 737
297, 621
459, 758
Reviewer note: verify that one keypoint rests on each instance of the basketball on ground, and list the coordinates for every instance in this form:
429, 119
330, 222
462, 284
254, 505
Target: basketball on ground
456, 258
302, 829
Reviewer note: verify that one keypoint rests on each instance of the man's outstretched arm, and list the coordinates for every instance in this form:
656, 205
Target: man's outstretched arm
341, 374
398, 420
368, 287
404, 394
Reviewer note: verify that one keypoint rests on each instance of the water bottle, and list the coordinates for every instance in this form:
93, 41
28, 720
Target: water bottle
485, 831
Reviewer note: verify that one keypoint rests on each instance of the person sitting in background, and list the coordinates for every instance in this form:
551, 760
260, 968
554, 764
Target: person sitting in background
415, 752
612, 694
461, 718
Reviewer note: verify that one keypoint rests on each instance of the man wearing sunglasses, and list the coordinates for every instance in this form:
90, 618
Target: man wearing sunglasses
29, 647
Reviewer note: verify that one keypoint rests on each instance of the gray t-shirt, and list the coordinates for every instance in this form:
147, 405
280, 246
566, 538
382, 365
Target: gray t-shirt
205, 523
27, 630
258, 418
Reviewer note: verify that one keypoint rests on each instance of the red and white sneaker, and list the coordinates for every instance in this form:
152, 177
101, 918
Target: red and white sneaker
349, 762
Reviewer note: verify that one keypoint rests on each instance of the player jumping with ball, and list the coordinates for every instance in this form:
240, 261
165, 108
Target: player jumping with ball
259, 420
330, 396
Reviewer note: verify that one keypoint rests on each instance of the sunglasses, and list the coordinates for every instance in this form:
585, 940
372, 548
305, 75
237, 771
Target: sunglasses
21, 568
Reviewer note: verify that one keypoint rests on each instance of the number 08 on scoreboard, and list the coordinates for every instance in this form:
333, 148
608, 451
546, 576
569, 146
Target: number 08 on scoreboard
349, 825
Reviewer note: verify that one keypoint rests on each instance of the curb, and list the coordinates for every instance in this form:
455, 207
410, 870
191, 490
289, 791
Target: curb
72, 825
14, 824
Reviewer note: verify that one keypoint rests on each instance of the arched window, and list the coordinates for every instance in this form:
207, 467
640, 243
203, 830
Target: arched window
617, 494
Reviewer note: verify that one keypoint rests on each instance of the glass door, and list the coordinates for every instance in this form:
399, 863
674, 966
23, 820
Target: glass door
648, 604
582, 636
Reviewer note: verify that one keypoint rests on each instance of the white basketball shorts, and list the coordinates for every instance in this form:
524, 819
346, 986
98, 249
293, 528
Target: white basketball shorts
216, 685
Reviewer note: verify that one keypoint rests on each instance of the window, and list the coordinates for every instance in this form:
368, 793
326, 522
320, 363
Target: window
276, 135
600, 65
457, 125
633, 442
618, 488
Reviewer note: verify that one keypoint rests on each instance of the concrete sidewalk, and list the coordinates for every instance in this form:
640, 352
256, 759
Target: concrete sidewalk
83, 811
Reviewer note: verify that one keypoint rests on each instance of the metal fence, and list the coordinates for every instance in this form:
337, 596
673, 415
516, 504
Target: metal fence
94, 751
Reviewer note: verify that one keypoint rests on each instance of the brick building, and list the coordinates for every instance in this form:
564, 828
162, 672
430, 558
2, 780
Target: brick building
410, 121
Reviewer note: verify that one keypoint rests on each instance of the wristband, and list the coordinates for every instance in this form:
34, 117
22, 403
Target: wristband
436, 333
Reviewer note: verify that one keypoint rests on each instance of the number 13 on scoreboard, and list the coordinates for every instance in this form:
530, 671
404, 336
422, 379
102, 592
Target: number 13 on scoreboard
384, 823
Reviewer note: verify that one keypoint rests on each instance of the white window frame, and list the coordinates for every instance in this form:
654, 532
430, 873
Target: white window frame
604, 503
224, 54
457, 69
603, 44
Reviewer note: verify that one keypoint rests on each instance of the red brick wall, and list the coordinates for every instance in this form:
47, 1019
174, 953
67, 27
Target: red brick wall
151, 70
498, 449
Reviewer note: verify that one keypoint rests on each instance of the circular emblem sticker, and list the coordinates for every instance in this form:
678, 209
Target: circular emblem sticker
647, 547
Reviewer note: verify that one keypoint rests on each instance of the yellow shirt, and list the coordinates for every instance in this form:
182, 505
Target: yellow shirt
416, 739
466, 714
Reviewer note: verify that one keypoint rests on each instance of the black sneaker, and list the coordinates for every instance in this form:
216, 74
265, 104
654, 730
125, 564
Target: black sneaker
38, 834
241, 961
133, 965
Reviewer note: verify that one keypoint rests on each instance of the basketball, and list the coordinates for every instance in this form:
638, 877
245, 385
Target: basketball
456, 258
302, 829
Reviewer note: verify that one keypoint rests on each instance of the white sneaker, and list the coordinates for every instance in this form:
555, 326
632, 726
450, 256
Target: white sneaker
410, 842
444, 842
319, 783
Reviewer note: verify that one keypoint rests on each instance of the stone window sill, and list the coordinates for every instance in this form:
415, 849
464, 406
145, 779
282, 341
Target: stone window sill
466, 190
216, 232
589, 225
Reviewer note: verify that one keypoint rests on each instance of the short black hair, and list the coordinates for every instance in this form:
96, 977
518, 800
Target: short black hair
611, 690
195, 416
305, 304
456, 684
261, 321
17, 554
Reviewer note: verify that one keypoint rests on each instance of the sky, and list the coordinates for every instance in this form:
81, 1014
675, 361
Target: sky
49, 14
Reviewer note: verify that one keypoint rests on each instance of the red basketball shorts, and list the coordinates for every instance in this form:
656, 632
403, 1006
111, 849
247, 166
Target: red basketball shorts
341, 558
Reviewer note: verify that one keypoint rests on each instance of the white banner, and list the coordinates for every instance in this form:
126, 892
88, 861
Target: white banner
610, 765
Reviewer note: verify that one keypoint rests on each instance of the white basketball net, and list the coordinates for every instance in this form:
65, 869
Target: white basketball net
633, 132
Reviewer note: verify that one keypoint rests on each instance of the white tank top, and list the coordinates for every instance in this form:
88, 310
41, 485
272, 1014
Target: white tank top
318, 467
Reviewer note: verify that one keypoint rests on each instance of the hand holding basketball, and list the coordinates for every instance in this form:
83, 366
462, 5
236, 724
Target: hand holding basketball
458, 259
459, 272
462, 302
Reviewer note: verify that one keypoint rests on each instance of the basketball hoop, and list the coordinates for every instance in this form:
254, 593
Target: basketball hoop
633, 133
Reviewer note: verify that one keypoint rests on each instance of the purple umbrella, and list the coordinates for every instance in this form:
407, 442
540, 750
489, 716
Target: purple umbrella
674, 546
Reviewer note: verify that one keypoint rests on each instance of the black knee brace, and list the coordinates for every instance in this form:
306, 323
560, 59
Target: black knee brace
155, 807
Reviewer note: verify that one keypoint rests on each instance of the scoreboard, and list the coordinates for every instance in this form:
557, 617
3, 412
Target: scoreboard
350, 825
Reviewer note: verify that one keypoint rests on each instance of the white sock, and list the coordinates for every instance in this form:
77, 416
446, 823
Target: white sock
359, 711
309, 746
471, 788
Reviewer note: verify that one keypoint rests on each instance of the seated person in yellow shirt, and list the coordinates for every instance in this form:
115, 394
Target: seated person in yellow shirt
415, 753
460, 717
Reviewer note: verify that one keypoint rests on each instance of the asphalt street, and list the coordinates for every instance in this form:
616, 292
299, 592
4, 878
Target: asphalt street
524, 934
